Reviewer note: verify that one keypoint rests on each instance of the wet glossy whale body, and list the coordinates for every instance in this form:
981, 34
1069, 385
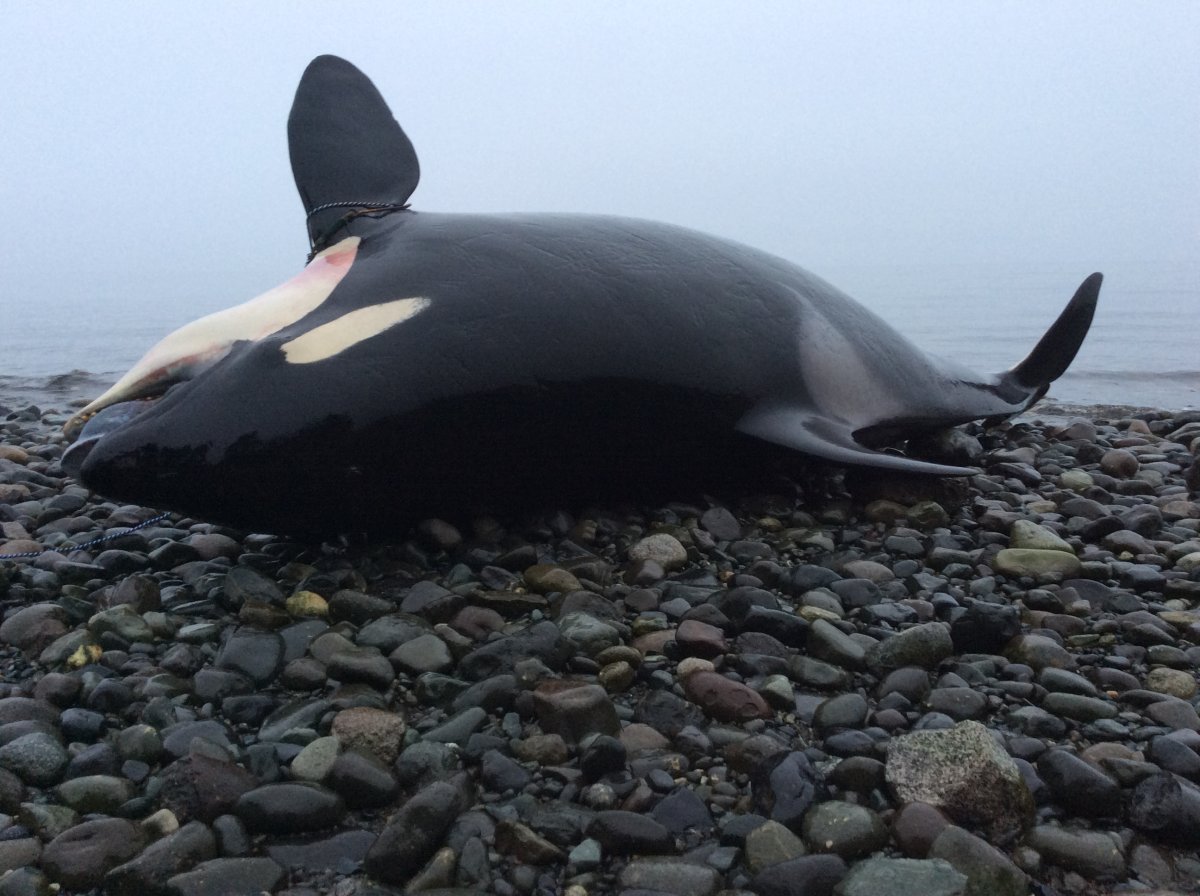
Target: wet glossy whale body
425, 363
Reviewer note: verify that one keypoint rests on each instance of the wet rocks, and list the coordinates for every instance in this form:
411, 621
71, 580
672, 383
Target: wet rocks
784, 786
174, 854
227, 875
903, 877
915, 828
771, 843
1039, 652
802, 876
922, 645
663, 549
670, 876
376, 731
574, 710
1173, 682
416, 831
843, 711
846, 829
289, 808
543, 641
985, 627
33, 629
1028, 535
1038, 564
80, 856
1094, 854
256, 654
1078, 707
520, 841
827, 642
203, 787
1079, 786
724, 699
96, 793
773, 696
624, 833
964, 773
989, 872
1167, 807
36, 758
424, 653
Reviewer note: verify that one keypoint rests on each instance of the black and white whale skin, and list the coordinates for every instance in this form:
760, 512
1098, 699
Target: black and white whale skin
425, 363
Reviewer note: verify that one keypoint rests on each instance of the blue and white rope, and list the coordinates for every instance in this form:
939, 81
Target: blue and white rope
28, 555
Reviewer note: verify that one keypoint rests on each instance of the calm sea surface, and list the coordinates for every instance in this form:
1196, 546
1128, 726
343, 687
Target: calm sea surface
1143, 349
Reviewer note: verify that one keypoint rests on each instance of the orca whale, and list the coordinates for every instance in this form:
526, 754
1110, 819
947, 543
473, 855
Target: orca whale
423, 362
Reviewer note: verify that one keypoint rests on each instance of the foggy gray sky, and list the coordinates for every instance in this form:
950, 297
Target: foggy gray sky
146, 142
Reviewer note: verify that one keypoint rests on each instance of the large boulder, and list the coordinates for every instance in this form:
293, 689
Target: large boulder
963, 772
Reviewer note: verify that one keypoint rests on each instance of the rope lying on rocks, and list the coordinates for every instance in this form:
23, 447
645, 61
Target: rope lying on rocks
90, 544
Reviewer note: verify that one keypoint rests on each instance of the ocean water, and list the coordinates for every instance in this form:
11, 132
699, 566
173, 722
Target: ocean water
1143, 349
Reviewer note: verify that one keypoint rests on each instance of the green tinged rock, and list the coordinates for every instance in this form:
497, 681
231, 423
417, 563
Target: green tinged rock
1042, 565
922, 645
964, 773
1028, 534
771, 843
989, 872
844, 829
903, 877
1094, 854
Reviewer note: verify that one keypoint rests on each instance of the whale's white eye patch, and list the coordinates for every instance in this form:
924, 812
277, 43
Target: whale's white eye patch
351, 328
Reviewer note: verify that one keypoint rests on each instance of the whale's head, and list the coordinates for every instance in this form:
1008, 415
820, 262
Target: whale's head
204, 388
180, 358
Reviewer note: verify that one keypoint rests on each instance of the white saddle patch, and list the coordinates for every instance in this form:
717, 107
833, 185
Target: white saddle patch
350, 329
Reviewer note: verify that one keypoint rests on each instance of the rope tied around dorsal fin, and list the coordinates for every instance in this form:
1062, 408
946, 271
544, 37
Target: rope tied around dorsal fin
360, 208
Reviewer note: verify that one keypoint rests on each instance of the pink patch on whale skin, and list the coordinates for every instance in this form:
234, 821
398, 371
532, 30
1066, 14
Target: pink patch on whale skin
203, 342
331, 266
340, 258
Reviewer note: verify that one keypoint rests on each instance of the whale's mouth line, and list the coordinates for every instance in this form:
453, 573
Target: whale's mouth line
195, 347
78, 424
96, 424
147, 391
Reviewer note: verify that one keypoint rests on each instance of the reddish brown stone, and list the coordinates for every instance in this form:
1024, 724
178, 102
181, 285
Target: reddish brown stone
201, 787
916, 826
724, 699
574, 709
696, 638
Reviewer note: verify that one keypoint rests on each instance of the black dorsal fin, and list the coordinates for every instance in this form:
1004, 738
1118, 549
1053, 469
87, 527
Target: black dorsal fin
1056, 350
345, 146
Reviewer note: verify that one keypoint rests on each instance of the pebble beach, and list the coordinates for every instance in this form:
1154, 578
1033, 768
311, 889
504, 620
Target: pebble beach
842, 684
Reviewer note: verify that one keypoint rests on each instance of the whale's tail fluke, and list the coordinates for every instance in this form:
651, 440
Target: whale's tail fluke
814, 431
1056, 350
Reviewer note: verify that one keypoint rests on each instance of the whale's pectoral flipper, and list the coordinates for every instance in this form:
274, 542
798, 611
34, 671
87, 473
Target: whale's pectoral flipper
830, 438
347, 151
1056, 350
